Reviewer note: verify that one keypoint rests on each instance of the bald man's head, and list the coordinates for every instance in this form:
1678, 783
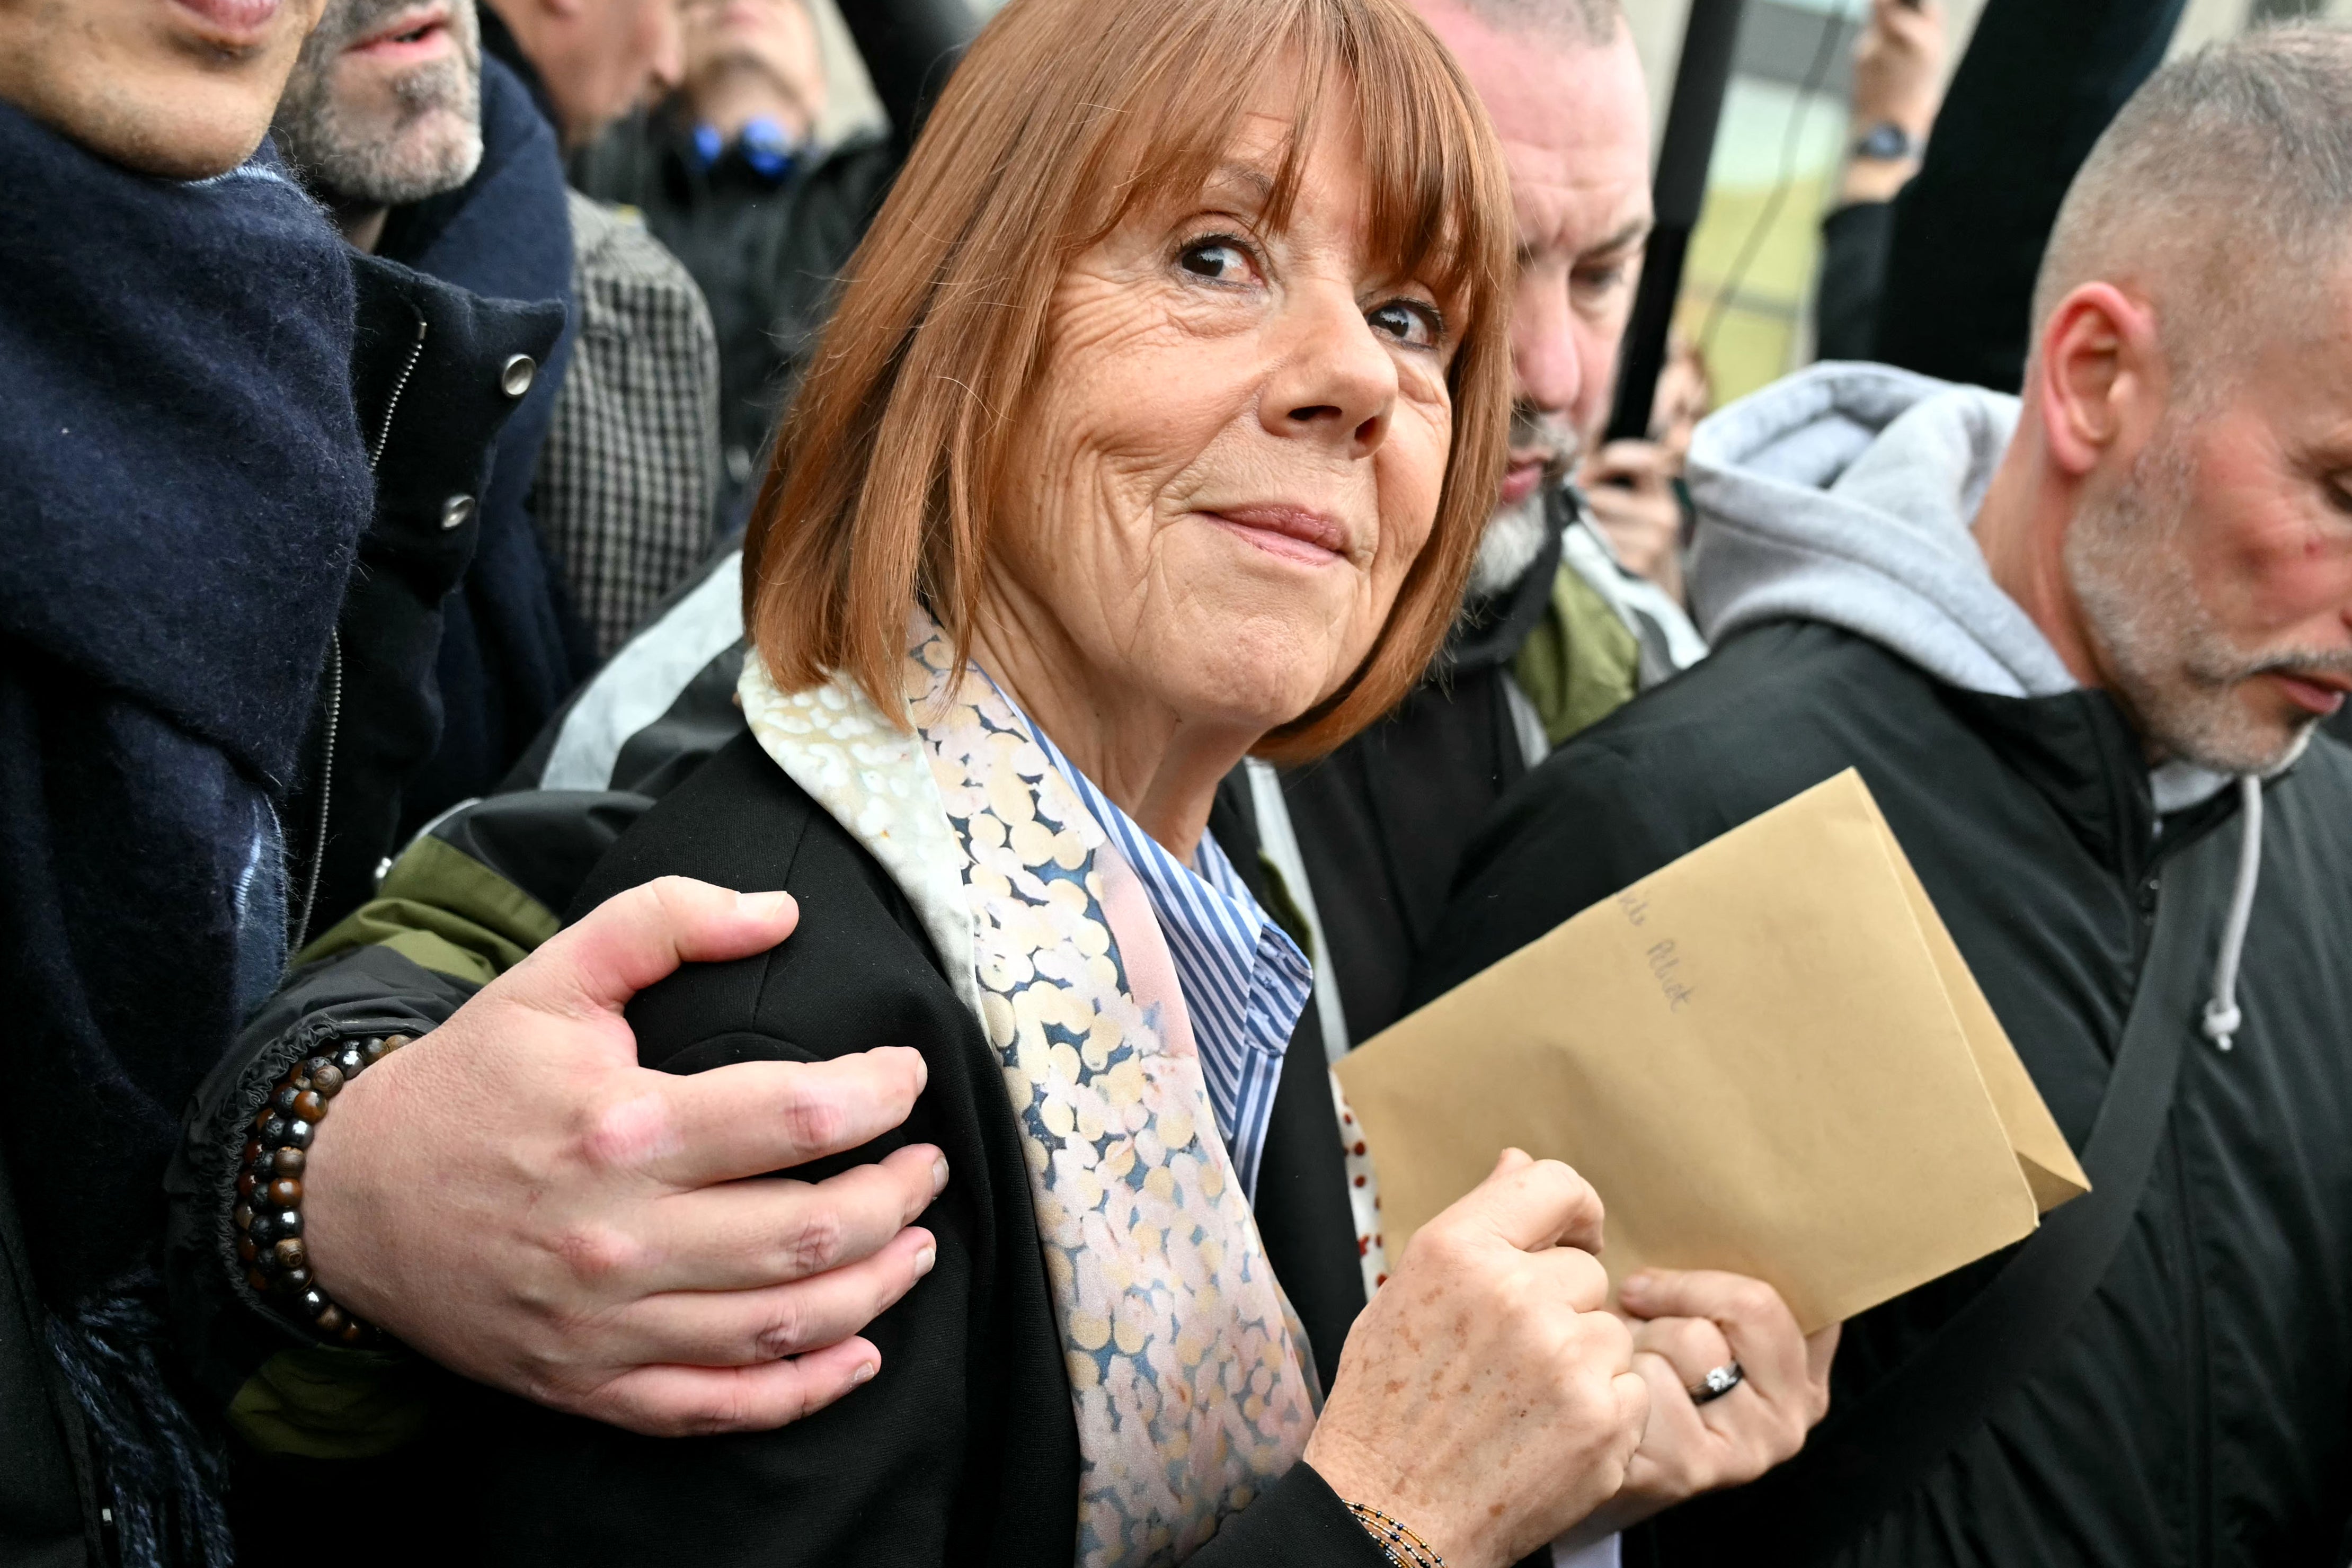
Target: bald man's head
2222, 194
2176, 511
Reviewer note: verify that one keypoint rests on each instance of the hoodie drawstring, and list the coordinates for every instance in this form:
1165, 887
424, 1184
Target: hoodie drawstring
2221, 1015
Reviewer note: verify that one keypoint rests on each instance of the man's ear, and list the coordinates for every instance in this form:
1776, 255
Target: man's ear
2099, 375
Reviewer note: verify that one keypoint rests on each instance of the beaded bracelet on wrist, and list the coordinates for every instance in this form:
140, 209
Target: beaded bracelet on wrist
1404, 1549
268, 1213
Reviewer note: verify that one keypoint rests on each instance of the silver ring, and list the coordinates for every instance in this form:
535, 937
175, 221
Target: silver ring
1719, 1383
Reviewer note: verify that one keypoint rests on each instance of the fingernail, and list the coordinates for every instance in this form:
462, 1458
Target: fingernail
1635, 1283
939, 1175
925, 1259
865, 1373
763, 905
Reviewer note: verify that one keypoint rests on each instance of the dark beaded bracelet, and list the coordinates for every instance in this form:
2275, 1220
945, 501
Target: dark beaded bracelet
268, 1212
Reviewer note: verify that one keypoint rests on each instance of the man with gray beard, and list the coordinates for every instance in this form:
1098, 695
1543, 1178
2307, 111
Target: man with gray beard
384, 111
2079, 647
431, 156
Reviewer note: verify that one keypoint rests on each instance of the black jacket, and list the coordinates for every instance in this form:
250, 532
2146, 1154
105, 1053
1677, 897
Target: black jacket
963, 1450
537, 847
1381, 825
49, 1504
426, 370
2200, 1409
511, 649
767, 252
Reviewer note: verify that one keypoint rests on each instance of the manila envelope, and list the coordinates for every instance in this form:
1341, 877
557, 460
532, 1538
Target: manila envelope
1768, 1057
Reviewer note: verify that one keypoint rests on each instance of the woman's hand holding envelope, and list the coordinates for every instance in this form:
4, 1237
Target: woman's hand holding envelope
1686, 1324
1484, 1398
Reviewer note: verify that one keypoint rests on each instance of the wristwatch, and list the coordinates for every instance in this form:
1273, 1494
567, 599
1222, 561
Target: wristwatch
1887, 142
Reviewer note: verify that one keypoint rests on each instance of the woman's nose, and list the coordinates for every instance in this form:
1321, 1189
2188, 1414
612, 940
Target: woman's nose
1334, 380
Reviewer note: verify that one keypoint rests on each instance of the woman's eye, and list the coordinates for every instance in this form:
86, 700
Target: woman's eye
1409, 321
1220, 260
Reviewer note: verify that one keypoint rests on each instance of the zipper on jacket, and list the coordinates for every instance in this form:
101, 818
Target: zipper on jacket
335, 680
326, 792
2195, 1386
391, 404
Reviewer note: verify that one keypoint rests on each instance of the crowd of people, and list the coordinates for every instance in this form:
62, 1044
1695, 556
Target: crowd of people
683, 887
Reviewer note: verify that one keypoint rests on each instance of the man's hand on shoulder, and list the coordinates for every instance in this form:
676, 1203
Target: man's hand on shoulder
515, 1198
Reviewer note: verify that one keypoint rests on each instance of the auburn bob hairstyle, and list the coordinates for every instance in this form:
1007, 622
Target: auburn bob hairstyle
1066, 118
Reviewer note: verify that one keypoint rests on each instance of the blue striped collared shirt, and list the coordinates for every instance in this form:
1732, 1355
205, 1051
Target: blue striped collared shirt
1245, 980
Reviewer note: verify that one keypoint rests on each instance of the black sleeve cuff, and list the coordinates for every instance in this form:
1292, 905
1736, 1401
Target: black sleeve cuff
224, 1329
1855, 240
1300, 1522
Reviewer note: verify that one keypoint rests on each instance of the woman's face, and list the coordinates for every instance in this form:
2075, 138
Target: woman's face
1234, 452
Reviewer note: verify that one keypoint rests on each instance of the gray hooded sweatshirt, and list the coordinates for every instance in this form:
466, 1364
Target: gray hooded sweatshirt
1847, 494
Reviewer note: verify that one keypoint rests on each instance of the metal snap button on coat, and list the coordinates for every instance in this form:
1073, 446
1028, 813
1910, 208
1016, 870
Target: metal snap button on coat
516, 375
457, 512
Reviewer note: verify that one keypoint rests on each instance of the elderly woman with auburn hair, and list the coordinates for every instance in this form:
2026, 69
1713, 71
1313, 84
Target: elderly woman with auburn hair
1156, 427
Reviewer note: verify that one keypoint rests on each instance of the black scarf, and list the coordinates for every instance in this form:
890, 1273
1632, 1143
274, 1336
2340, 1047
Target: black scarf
181, 485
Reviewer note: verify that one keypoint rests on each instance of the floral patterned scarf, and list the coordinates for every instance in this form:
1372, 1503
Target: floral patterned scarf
1190, 1394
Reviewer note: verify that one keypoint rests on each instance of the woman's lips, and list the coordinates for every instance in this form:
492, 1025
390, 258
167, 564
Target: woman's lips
2319, 696
233, 22
1520, 479
1294, 533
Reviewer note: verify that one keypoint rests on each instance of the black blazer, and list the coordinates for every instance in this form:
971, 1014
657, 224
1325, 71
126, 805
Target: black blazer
963, 1448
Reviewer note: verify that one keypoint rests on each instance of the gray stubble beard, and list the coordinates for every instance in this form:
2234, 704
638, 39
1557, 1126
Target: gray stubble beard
2175, 670
354, 159
1514, 535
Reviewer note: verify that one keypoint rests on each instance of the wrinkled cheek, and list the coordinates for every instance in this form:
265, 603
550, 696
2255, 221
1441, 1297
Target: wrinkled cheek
1407, 532
1411, 478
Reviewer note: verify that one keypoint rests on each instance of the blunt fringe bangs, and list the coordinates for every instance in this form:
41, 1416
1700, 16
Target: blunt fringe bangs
1066, 117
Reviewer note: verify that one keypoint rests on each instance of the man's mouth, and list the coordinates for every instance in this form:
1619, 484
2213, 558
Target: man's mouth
2320, 693
1522, 477
416, 33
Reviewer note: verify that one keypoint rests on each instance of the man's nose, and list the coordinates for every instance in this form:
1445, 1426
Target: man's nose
1545, 363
